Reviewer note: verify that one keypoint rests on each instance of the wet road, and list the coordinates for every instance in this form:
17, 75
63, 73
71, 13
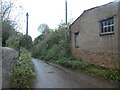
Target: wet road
48, 76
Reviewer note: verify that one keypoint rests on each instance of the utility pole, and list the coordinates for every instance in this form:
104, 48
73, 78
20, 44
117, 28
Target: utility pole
66, 12
27, 23
66, 26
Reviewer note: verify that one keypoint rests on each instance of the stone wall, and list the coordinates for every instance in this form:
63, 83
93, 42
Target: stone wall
8, 62
104, 59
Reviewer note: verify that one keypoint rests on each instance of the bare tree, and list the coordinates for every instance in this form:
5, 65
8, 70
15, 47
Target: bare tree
11, 12
6, 9
9, 25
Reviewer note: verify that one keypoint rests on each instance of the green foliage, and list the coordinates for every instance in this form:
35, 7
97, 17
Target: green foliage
19, 40
14, 40
26, 41
7, 31
92, 69
53, 54
53, 46
53, 43
23, 73
9, 25
38, 39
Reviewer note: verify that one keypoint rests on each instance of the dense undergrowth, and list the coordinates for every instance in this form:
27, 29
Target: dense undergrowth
23, 72
89, 68
55, 47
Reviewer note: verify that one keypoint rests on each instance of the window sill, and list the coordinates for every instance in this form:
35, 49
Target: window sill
108, 33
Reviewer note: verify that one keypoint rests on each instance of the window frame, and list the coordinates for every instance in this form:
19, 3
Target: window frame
107, 24
75, 43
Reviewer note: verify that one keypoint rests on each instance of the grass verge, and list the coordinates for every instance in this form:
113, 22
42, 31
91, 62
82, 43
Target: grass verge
89, 68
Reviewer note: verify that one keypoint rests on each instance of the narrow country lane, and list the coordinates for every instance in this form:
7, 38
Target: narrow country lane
48, 76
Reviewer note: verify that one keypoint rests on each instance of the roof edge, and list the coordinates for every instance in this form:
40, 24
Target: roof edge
89, 10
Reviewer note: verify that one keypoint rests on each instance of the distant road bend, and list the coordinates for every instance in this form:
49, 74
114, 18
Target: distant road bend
48, 76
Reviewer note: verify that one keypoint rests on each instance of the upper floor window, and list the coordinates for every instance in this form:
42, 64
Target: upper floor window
107, 26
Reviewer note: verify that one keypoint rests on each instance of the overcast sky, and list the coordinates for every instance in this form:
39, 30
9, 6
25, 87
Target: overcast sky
52, 12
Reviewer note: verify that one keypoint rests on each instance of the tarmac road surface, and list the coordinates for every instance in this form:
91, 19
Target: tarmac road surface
53, 76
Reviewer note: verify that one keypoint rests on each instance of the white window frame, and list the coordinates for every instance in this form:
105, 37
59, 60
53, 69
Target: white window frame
107, 26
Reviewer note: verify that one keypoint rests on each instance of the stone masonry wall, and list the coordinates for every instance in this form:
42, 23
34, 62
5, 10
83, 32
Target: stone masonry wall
104, 59
9, 56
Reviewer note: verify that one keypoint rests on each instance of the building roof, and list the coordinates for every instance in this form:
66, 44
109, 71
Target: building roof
89, 10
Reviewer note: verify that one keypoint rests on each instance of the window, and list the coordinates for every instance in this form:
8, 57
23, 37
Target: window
107, 26
76, 40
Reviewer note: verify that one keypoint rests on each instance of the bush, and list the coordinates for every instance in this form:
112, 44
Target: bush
92, 69
8, 29
19, 40
13, 41
23, 73
26, 41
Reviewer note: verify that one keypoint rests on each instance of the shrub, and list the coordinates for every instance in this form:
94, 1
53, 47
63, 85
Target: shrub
26, 41
19, 40
13, 41
92, 69
23, 73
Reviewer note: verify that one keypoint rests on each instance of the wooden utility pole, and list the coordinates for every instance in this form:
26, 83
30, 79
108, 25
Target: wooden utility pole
27, 23
66, 25
66, 12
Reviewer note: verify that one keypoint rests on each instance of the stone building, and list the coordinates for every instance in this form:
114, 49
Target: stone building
95, 35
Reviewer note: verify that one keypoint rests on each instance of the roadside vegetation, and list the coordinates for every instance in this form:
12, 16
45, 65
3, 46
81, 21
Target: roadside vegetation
23, 72
91, 69
54, 46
